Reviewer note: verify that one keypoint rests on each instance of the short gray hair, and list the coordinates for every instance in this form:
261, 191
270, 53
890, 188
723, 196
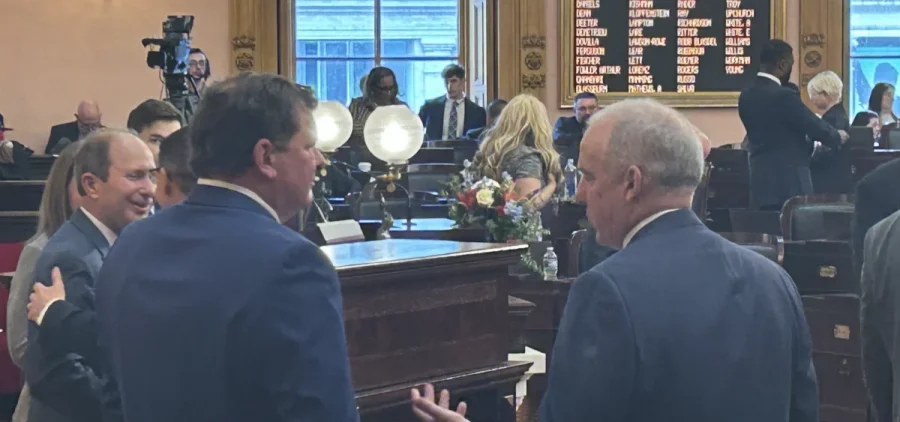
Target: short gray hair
655, 138
93, 154
828, 83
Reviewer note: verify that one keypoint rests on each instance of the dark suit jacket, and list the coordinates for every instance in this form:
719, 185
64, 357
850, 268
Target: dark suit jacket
710, 331
65, 130
567, 133
880, 317
875, 199
240, 317
58, 362
779, 131
831, 167
432, 115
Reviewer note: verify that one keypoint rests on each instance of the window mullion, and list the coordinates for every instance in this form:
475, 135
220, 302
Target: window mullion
377, 4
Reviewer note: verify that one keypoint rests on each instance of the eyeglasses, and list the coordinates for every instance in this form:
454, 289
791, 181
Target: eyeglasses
197, 63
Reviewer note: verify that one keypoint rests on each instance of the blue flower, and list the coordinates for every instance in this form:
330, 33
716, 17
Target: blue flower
514, 210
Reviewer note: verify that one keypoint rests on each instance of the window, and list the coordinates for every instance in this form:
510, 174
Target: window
874, 50
337, 39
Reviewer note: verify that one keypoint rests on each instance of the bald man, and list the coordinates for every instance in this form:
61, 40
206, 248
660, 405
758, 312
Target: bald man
87, 119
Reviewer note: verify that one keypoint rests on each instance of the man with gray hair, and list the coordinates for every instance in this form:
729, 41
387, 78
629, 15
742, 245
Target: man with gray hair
680, 324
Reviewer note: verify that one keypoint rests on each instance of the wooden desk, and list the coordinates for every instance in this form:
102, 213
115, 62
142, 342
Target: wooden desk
424, 228
17, 226
21, 195
426, 311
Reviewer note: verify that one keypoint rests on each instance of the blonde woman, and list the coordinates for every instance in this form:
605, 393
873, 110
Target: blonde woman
521, 144
830, 167
59, 200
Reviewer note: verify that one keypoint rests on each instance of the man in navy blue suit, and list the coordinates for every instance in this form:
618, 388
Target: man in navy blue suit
212, 310
680, 324
451, 116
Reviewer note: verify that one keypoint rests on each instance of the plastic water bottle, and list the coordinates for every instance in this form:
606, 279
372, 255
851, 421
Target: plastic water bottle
571, 176
551, 265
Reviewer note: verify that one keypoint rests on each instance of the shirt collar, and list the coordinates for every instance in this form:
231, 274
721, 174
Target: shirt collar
108, 234
240, 189
460, 100
634, 231
769, 76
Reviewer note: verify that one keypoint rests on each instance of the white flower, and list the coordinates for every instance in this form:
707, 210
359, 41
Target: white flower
485, 197
485, 183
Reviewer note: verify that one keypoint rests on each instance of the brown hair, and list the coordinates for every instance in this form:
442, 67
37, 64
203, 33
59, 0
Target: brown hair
55, 206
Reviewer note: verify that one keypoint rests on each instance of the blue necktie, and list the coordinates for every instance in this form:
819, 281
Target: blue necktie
454, 122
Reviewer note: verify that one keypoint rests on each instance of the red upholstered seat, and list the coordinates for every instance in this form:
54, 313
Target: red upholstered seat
9, 256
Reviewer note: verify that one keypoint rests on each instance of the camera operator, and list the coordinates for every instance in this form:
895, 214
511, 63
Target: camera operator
198, 70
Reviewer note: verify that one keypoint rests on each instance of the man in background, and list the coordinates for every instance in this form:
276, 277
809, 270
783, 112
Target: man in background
241, 317
493, 112
154, 120
175, 179
87, 119
62, 367
198, 70
450, 116
780, 129
567, 131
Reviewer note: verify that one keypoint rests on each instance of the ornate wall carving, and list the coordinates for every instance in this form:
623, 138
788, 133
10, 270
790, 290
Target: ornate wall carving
822, 41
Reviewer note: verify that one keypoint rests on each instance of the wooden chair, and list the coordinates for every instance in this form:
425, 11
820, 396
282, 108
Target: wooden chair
574, 252
767, 245
753, 221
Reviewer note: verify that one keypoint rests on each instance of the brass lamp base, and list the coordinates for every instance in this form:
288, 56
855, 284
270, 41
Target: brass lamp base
393, 174
323, 171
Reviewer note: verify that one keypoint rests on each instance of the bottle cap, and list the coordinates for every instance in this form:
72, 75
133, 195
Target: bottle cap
549, 248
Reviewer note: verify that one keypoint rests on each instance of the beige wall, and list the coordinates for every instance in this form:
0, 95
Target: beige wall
722, 125
57, 52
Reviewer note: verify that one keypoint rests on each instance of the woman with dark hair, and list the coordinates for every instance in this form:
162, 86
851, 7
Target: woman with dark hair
380, 90
881, 101
59, 200
869, 119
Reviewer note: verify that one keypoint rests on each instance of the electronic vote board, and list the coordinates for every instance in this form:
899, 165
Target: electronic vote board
683, 52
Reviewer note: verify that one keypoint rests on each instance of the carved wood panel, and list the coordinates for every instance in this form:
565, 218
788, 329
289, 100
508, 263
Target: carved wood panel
822, 40
521, 65
254, 35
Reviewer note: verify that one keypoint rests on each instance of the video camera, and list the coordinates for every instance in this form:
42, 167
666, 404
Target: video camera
172, 58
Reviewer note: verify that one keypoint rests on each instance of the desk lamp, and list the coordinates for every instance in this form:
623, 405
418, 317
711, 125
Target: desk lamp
334, 124
394, 134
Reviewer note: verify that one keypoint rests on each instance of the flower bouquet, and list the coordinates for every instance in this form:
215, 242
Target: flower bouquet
496, 207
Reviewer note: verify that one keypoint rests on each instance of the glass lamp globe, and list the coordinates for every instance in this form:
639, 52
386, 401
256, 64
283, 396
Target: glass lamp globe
393, 134
333, 124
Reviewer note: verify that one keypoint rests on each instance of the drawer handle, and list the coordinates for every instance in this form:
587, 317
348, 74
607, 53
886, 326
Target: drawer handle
842, 332
827, 271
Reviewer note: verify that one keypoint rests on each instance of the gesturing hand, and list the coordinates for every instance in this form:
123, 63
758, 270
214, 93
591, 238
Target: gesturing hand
427, 411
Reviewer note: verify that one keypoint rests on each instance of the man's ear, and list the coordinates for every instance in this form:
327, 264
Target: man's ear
163, 182
634, 182
262, 158
91, 184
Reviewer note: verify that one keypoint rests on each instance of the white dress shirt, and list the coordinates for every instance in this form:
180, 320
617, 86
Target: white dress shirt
110, 237
460, 117
769, 76
634, 231
240, 189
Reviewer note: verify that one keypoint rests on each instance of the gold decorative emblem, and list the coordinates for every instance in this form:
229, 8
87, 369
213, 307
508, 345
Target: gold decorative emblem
243, 41
534, 81
244, 62
812, 59
534, 60
534, 41
813, 40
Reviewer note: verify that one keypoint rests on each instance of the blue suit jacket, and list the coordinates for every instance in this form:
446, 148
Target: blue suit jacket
682, 325
59, 363
212, 310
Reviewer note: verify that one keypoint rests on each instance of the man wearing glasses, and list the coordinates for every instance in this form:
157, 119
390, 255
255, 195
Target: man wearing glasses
87, 119
567, 131
198, 68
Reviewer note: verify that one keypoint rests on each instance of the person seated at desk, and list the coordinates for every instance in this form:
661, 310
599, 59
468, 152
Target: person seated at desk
493, 112
381, 90
869, 119
830, 167
881, 102
520, 144
567, 131
451, 116
87, 119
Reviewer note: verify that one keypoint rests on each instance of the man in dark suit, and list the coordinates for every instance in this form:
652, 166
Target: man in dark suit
87, 119
62, 364
780, 130
493, 112
679, 324
451, 116
879, 320
567, 131
240, 317
874, 200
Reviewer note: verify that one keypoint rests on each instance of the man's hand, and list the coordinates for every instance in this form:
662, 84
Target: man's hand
427, 411
43, 296
844, 135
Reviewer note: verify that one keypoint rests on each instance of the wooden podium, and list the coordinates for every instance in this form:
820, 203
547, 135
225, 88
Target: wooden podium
420, 311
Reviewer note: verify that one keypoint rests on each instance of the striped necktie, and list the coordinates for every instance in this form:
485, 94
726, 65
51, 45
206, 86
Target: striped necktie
454, 121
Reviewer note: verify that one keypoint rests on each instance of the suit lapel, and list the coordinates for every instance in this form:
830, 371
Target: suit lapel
93, 234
